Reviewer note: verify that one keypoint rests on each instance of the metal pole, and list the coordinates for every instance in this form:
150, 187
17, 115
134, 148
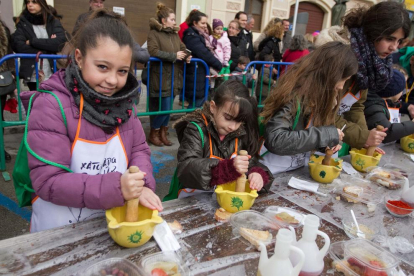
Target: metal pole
295, 17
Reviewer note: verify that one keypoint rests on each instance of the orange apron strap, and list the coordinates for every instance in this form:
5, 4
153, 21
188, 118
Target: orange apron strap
310, 120
79, 123
236, 147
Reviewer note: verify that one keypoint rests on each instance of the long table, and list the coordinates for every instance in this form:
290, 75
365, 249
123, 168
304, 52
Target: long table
208, 247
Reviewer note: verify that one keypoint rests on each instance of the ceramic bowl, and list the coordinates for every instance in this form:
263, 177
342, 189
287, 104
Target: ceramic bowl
323, 173
233, 201
132, 234
396, 210
407, 143
360, 161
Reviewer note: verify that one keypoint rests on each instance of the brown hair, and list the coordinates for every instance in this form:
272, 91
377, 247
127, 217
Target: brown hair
312, 82
163, 12
102, 23
276, 30
235, 22
243, 60
45, 9
310, 38
379, 21
271, 23
195, 16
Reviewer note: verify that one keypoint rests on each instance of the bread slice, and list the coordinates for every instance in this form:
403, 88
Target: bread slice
255, 236
285, 217
176, 227
222, 215
354, 191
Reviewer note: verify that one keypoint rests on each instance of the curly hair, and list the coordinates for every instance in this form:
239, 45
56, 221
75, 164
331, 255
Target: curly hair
298, 43
276, 30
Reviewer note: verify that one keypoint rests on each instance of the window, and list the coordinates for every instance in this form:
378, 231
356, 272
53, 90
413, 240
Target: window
255, 8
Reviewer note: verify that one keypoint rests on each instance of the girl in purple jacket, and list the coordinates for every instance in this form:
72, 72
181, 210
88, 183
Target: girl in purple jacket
103, 137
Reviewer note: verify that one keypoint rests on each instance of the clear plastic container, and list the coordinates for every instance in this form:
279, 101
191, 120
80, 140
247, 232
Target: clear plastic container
112, 266
169, 262
285, 216
388, 178
367, 225
360, 257
356, 190
395, 210
252, 227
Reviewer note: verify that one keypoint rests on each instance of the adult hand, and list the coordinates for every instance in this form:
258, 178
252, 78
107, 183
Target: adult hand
241, 163
256, 181
181, 55
340, 134
336, 148
132, 184
411, 110
188, 60
150, 200
27, 42
53, 36
375, 137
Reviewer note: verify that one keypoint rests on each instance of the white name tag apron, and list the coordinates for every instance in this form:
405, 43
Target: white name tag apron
88, 157
395, 116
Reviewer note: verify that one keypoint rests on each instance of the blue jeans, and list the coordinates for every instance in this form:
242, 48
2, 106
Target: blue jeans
157, 121
198, 103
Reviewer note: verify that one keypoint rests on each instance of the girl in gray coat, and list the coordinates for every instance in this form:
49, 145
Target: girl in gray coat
299, 113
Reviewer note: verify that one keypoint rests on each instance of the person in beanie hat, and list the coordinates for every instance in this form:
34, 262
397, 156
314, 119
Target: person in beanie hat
222, 48
383, 108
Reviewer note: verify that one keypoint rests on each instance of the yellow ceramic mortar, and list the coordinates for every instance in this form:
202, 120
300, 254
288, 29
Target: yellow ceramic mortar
233, 201
360, 161
132, 234
322, 173
407, 143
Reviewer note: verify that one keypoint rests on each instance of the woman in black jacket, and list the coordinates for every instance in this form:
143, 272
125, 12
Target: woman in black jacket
37, 30
238, 44
196, 43
270, 45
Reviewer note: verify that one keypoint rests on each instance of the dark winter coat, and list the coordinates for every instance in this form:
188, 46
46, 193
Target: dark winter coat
376, 113
266, 81
5, 48
238, 49
270, 46
249, 39
280, 138
249, 77
24, 31
195, 169
196, 43
164, 43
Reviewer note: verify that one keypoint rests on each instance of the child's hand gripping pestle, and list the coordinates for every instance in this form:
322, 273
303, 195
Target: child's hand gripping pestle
327, 160
241, 181
371, 150
132, 205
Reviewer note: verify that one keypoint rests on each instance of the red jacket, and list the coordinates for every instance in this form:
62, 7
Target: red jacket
183, 27
291, 56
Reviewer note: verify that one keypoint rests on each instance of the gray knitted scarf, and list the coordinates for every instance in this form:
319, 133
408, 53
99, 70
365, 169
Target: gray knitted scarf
100, 110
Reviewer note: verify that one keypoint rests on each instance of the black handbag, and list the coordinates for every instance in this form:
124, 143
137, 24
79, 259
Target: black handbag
7, 83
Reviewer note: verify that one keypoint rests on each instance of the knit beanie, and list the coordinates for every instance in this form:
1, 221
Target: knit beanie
216, 23
395, 86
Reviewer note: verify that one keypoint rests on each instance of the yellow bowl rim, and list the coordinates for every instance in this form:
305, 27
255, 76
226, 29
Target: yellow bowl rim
220, 190
112, 224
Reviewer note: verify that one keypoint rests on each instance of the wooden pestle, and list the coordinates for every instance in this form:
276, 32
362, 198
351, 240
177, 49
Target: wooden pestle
371, 150
241, 181
132, 205
327, 159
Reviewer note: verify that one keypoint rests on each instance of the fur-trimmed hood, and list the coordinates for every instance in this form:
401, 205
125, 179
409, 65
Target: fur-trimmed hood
334, 33
197, 117
156, 25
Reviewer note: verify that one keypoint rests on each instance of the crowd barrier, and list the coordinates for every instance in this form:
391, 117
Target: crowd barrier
182, 109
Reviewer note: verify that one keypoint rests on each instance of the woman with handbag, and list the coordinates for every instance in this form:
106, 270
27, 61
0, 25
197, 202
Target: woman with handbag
37, 30
7, 83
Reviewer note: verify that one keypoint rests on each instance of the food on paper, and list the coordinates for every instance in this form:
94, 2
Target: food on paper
390, 179
285, 217
176, 227
386, 183
255, 236
222, 215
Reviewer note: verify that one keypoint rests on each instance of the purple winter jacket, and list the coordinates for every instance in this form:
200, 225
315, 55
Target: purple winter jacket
48, 137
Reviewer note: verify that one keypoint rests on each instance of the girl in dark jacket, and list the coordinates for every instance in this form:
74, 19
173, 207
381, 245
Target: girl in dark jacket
165, 44
270, 45
37, 31
383, 108
210, 140
196, 43
299, 113
238, 44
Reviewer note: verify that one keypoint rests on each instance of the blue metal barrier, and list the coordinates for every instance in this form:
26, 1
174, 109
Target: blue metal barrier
280, 65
